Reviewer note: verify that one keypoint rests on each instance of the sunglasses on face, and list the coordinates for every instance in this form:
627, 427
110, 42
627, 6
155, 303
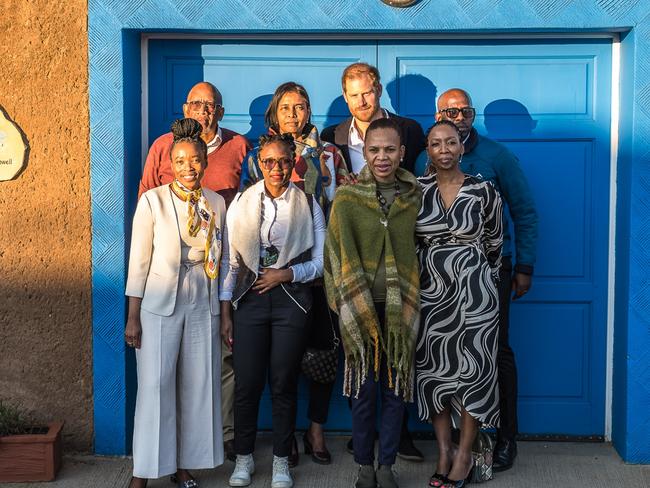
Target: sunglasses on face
452, 113
269, 163
196, 105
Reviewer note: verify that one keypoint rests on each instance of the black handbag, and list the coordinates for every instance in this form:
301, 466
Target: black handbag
320, 365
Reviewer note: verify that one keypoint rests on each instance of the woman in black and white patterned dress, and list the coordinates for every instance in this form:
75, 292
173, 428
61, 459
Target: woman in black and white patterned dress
459, 234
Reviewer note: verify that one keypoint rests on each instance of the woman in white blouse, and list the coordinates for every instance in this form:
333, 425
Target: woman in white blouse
276, 249
173, 320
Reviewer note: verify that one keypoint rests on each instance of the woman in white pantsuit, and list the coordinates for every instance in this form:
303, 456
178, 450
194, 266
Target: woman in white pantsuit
173, 321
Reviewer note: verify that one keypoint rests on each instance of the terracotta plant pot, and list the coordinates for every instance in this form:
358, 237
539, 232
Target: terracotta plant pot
31, 457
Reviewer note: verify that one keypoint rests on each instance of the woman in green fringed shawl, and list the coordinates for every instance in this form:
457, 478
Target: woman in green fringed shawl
371, 277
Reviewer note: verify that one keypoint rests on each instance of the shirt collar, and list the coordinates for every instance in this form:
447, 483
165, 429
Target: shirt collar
216, 141
471, 142
354, 136
285, 196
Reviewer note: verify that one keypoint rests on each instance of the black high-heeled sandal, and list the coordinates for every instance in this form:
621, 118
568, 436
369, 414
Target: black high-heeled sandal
131, 481
459, 483
454, 483
191, 483
438, 480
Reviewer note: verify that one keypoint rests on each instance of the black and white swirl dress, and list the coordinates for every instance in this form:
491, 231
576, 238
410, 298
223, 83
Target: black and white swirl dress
459, 250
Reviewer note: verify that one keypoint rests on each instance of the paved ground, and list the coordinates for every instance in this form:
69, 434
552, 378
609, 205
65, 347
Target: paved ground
539, 465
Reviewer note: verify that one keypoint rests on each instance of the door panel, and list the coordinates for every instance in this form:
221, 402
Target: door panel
548, 101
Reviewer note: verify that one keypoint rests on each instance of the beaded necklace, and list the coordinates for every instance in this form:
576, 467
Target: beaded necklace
383, 203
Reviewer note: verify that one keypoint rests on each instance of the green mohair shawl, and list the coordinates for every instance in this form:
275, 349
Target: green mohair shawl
357, 233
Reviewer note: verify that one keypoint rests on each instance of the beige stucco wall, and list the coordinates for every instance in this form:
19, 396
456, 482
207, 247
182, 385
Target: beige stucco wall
45, 262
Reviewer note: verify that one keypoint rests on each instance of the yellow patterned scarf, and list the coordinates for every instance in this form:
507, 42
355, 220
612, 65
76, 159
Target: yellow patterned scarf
200, 217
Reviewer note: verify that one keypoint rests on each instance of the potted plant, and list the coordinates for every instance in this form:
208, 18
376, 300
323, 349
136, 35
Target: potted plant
28, 451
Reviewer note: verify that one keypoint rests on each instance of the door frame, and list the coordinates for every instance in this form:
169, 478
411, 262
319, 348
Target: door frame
614, 133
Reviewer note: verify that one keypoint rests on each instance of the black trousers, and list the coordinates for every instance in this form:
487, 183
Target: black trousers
319, 336
269, 341
507, 375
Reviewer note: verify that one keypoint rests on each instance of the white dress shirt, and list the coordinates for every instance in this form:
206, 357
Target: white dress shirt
214, 144
275, 219
355, 145
274, 224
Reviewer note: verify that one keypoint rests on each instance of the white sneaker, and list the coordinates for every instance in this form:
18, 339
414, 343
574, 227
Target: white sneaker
244, 468
281, 476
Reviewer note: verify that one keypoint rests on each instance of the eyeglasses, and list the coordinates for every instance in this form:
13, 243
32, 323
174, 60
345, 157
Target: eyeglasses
197, 105
283, 163
452, 113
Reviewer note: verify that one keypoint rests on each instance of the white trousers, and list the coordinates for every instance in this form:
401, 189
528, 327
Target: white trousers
178, 407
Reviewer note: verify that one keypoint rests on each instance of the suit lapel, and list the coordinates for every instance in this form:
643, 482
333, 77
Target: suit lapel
171, 213
341, 133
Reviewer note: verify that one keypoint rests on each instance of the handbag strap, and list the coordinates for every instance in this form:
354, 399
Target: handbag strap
335, 340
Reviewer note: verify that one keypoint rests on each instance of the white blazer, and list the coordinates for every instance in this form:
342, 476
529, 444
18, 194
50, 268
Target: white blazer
155, 257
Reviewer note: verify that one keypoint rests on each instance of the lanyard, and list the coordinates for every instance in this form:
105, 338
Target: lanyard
270, 255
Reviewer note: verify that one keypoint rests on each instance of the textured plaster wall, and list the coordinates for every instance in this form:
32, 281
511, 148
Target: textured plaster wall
45, 261
113, 29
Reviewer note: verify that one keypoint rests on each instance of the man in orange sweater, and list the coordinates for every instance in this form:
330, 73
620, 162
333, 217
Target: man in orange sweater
226, 149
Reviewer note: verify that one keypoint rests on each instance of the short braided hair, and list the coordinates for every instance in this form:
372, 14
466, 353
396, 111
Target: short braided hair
439, 123
286, 139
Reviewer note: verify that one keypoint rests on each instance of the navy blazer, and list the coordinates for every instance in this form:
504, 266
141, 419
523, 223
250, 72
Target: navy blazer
412, 138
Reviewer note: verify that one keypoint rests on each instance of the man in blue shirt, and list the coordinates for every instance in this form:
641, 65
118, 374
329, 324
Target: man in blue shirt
492, 161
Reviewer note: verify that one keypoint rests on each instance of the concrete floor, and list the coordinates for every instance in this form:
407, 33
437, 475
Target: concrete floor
539, 465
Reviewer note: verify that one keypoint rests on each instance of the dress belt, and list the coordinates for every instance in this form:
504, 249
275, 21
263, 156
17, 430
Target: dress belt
432, 241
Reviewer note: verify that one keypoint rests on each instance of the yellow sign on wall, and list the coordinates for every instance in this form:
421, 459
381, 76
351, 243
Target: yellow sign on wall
13, 150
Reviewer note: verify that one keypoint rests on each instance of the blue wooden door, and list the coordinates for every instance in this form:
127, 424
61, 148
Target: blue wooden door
548, 101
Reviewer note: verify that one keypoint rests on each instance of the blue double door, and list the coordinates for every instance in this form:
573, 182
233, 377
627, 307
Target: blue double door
548, 101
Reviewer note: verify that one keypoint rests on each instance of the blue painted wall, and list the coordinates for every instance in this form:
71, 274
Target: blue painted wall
113, 30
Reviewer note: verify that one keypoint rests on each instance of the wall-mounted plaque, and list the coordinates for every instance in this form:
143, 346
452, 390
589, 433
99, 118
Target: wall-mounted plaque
13, 150
400, 3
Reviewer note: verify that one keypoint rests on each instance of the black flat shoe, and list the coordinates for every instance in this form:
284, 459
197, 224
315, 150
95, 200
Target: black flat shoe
408, 451
319, 457
294, 457
504, 455
349, 446
229, 450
